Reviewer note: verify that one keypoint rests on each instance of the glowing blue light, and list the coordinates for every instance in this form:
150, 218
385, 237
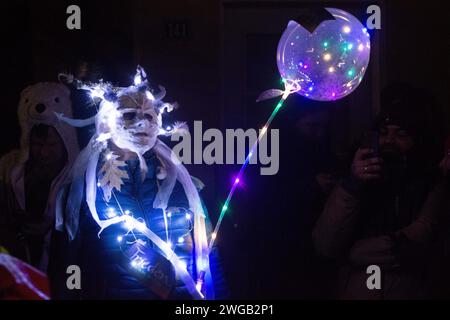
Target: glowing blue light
182, 265
188, 216
137, 80
140, 226
149, 95
119, 238
96, 92
180, 239
111, 212
129, 224
139, 263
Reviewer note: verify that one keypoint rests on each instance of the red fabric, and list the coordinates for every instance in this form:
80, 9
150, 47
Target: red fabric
20, 281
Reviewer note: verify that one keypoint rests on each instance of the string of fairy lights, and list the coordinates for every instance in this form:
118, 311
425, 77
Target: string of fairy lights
290, 87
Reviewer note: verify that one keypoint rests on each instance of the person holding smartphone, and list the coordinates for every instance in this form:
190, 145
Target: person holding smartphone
389, 209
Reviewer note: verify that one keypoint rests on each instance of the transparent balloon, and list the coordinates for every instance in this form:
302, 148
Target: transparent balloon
328, 63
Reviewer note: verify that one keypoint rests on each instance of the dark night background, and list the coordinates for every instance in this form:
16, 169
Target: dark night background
215, 71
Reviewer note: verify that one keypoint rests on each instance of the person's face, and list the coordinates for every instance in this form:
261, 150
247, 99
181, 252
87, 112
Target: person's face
137, 125
395, 140
47, 150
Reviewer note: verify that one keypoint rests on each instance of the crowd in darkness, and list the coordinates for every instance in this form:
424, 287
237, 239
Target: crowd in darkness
327, 218
311, 231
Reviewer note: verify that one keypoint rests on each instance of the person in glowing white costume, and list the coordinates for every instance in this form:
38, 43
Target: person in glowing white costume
132, 208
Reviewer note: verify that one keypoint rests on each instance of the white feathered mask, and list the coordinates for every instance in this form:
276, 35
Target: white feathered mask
130, 117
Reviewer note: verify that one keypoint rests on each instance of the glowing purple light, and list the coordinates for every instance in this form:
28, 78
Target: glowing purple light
319, 59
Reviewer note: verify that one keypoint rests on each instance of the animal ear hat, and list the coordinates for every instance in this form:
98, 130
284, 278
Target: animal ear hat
37, 105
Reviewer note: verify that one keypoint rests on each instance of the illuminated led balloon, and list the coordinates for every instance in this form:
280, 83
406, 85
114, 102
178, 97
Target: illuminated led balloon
328, 63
